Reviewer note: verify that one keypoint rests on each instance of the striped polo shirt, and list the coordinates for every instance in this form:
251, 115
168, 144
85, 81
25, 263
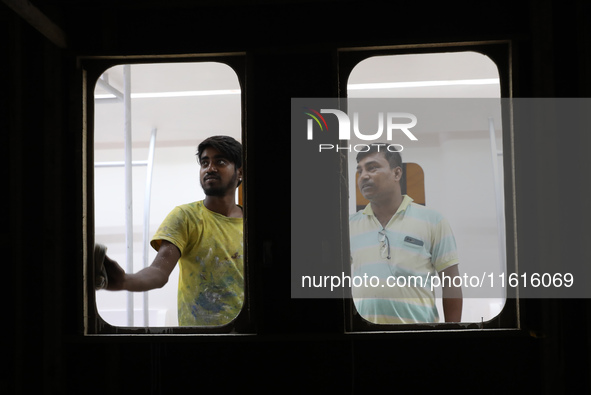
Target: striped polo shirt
398, 290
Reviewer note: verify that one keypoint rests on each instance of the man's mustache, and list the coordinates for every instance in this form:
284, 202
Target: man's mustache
211, 176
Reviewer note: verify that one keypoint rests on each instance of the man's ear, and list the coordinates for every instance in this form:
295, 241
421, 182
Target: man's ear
398, 173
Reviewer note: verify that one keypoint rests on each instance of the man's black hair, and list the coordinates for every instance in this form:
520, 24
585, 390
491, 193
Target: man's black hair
393, 157
227, 145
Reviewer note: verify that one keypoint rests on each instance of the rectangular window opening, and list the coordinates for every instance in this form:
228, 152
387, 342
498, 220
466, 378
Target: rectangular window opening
149, 192
456, 171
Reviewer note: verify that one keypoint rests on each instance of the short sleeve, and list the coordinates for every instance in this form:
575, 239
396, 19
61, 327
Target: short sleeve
174, 229
444, 253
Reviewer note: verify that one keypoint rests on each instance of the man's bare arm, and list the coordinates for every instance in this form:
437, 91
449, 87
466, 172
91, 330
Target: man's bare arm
452, 296
154, 276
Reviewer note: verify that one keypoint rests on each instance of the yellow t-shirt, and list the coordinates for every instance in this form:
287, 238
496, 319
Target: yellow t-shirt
211, 279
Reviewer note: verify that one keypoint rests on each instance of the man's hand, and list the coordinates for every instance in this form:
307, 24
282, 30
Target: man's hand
115, 273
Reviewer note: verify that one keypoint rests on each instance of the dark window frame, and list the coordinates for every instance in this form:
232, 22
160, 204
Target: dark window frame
500, 52
92, 68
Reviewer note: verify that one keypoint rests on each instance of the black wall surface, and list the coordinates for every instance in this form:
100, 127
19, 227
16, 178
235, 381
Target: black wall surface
299, 346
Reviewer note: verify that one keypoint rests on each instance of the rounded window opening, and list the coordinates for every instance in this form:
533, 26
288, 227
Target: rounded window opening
453, 171
149, 121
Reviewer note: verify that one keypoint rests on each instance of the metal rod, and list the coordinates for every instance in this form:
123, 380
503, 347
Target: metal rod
128, 186
495, 154
120, 163
108, 87
147, 196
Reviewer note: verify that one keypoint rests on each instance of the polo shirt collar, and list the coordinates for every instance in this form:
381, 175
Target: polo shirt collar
406, 200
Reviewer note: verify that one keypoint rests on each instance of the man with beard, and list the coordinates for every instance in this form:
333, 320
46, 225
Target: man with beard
205, 238
393, 238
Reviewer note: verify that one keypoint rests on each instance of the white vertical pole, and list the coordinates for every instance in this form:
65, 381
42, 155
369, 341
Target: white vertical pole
498, 190
147, 196
128, 185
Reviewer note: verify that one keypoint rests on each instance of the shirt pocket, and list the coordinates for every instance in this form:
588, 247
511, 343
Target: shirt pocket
416, 248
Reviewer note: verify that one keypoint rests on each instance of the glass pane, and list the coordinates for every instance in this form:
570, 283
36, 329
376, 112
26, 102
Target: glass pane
456, 171
173, 108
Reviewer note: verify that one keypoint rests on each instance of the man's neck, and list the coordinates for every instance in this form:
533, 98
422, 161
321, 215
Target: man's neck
224, 205
385, 210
